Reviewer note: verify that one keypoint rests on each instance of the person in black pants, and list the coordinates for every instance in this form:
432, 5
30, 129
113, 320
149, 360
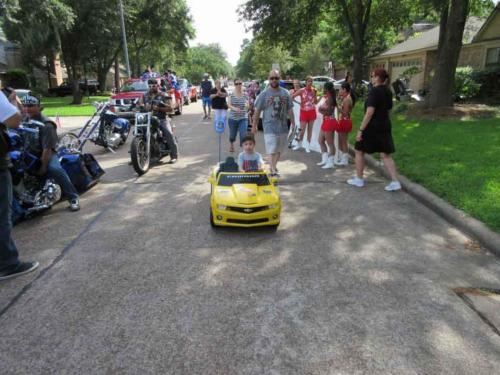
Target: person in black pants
10, 265
375, 131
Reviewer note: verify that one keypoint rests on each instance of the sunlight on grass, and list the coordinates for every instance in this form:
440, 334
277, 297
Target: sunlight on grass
455, 159
63, 106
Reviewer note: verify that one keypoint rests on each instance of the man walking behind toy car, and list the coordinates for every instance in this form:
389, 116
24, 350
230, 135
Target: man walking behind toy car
276, 106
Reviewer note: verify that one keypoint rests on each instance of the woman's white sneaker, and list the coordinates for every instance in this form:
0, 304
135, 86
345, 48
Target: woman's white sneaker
393, 186
356, 181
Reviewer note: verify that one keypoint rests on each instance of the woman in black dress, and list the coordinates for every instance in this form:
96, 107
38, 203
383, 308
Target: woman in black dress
374, 134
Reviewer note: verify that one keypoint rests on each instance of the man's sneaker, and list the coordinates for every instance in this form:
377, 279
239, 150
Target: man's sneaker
356, 181
393, 186
19, 269
297, 147
173, 160
74, 204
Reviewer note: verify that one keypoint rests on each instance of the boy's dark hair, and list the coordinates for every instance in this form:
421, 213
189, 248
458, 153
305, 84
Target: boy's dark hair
248, 137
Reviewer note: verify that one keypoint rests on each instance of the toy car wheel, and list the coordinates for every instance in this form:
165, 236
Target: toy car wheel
274, 227
212, 223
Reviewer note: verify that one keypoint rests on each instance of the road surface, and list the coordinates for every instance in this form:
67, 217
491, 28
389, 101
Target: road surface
355, 281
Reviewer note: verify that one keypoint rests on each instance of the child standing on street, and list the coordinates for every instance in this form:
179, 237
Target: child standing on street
249, 160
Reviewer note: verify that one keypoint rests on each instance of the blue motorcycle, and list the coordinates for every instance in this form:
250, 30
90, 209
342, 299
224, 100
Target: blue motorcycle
105, 128
34, 193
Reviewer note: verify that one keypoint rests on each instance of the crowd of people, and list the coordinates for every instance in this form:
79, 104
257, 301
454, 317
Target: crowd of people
242, 110
274, 106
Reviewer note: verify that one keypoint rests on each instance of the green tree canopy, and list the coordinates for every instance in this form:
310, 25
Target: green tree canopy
205, 58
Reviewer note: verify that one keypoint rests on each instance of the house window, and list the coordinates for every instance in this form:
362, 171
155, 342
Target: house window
493, 57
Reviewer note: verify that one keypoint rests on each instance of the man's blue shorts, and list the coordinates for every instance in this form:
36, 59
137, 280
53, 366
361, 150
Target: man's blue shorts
206, 101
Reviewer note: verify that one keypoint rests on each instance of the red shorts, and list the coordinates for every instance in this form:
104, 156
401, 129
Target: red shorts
329, 124
307, 116
343, 126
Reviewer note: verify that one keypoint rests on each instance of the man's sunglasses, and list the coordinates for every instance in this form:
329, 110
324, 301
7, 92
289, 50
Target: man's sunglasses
30, 105
153, 85
237, 84
274, 78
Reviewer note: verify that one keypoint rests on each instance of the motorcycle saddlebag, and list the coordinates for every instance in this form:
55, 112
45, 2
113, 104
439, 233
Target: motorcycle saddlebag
83, 170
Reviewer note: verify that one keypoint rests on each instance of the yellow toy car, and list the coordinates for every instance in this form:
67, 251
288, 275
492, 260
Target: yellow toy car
244, 199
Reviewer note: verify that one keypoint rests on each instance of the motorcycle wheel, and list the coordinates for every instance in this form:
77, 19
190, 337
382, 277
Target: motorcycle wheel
69, 141
139, 155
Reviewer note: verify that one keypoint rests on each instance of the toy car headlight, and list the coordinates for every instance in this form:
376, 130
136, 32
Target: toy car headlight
272, 206
221, 207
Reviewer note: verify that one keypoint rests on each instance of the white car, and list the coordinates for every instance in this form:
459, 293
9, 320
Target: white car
339, 83
319, 81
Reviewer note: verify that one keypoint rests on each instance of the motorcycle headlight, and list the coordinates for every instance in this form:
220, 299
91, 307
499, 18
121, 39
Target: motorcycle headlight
272, 206
221, 207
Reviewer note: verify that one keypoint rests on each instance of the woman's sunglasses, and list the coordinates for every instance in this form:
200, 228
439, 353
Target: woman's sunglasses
237, 84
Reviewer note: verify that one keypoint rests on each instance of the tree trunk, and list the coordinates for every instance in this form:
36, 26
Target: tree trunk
75, 80
452, 25
358, 56
101, 78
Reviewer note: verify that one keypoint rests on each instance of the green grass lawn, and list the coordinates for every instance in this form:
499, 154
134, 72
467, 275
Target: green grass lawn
62, 106
456, 159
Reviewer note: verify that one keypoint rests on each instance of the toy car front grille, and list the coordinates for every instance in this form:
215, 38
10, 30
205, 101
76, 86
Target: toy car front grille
248, 210
239, 221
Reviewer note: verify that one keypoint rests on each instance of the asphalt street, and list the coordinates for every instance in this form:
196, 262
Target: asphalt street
355, 281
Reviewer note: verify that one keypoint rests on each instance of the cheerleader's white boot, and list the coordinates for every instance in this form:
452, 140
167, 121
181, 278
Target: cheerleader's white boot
329, 163
324, 158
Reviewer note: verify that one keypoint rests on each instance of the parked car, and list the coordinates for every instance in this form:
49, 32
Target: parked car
21, 93
319, 81
339, 83
123, 102
92, 86
64, 89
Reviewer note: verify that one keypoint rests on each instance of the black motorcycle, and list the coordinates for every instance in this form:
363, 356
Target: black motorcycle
148, 146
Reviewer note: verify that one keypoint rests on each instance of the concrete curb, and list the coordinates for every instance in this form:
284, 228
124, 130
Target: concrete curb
473, 227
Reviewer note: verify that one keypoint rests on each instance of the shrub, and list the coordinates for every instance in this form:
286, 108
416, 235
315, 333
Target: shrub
490, 82
17, 78
466, 87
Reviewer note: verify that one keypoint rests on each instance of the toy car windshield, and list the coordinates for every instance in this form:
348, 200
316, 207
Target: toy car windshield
243, 178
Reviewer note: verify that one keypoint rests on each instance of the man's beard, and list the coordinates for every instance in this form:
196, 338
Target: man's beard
274, 84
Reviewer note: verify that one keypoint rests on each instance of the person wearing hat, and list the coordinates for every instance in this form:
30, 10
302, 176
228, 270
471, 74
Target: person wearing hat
206, 87
156, 101
50, 164
10, 264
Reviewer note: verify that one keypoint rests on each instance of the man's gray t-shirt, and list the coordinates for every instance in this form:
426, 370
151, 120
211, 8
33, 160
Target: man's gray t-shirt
274, 105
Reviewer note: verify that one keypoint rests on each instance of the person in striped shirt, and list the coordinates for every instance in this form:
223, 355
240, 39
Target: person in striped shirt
238, 114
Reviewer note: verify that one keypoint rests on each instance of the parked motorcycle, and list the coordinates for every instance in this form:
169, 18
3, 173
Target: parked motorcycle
33, 193
147, 146
105, 128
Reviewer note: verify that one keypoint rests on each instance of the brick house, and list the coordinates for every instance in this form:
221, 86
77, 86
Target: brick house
480, 50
